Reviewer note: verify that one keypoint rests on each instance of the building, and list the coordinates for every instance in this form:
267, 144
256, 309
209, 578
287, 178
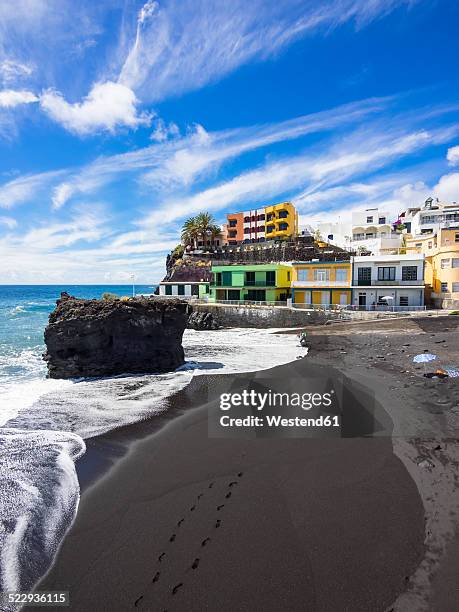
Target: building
393, 280
234, 228
184, 289
372, 231
279, 221
430, 217
254, 225
441, 251
254, 282
318, 282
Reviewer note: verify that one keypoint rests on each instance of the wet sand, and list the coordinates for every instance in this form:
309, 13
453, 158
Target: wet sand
183, 521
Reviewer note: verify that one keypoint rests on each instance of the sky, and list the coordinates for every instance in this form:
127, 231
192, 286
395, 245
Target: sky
121, 119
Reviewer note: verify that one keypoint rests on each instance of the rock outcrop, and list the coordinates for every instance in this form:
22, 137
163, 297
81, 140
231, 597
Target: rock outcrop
202, 320
108, 337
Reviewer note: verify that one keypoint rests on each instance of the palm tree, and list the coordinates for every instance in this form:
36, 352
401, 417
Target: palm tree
190, 232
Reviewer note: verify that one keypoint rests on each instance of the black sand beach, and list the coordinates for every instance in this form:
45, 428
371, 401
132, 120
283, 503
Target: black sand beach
187, 522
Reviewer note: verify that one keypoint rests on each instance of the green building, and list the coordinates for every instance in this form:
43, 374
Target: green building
251, 282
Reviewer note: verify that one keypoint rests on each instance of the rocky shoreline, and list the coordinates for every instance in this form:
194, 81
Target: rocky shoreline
90, 338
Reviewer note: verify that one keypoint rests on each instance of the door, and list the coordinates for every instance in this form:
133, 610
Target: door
362, 300
343, 299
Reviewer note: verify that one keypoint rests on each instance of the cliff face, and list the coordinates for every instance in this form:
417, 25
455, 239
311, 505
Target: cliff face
109, 337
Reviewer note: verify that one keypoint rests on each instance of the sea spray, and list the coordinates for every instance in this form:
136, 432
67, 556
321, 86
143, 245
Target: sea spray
39, 495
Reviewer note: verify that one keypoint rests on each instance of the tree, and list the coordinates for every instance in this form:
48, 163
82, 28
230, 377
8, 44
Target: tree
190, 232
203, 226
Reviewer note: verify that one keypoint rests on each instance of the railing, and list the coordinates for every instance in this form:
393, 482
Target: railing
320, 283
250, 303
383, 308
246, 284
384, 283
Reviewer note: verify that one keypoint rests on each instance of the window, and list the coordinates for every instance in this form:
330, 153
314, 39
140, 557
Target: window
250, 278
341, 274
444, 287
180, 289
270, 278
430, 244
409, 273
358, 236
369, 219
303, 275
455, 287
246, 219
403, 300
369, 235
168, 289
456, 237
445, 263
382, 220
234, 294
261, 217
364, 276
455, 262
322, 275
247, 230
195, 290
232, 222
386, 273
418, 245
227, 279
269, 229
283, 214
283, 226
232, 234
288, 276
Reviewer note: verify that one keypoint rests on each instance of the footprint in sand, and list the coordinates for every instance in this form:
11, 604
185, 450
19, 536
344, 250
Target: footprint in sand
217, 523
232, 484
195, 563
161, 556
137, 601
240, 474
172, 538
228, 495
205, 542
176, 588
180, 522
156, 577
220, 507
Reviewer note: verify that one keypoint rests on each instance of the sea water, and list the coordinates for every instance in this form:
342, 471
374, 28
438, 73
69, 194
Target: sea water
44, 422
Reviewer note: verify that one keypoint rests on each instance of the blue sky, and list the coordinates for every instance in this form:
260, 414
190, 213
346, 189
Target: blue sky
119, 119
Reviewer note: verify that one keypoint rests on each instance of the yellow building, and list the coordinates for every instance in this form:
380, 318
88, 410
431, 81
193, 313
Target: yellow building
322, 282
441, 250
281, 221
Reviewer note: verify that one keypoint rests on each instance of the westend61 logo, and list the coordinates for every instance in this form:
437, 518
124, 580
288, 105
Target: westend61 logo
277, 410
259, 401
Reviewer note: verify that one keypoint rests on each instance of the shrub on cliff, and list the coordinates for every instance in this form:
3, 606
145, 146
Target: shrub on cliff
109, 296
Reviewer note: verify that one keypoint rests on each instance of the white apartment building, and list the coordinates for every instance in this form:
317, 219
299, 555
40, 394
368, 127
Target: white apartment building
254, 225
392, 280
183, 289
339, 234
372, 231
430, 217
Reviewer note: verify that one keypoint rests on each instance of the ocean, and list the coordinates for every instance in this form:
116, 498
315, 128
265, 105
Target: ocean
44, 423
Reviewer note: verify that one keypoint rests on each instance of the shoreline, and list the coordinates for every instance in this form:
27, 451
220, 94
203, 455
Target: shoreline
132, 449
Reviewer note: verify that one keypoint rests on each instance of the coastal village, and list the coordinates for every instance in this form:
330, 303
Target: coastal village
375, 262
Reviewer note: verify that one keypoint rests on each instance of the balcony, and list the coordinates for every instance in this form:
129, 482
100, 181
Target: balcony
387, 283
258, 283
305, 284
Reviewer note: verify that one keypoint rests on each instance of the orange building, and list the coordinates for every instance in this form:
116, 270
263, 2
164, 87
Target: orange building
235, 228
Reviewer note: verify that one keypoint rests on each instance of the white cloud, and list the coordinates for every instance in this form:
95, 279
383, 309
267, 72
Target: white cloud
11, 70
9, 222
453, 156
163, 131
447, 188
108, 106
181, 45
10, 98
24, 188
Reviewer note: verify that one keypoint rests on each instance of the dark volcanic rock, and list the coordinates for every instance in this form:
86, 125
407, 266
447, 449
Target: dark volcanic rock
202, 320
108, 337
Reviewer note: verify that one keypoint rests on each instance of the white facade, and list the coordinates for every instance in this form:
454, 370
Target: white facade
431, 217
254, 224
182, 289
393, 280
338, 234
372, 230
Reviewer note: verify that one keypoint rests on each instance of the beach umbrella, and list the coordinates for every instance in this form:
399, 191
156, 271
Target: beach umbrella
387, 297
424, 358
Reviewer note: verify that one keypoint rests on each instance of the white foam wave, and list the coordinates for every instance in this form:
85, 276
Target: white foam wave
39, 495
